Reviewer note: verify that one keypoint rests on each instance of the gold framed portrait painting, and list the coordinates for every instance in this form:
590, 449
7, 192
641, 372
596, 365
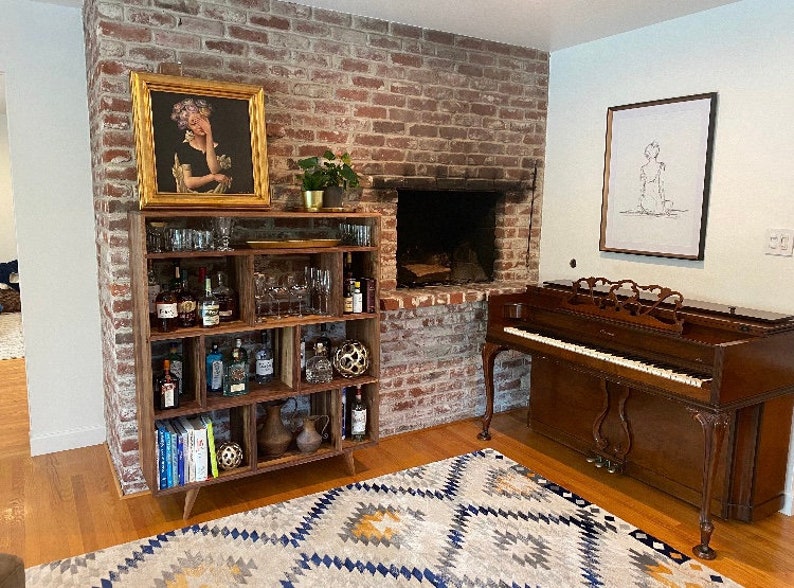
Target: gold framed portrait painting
199, 144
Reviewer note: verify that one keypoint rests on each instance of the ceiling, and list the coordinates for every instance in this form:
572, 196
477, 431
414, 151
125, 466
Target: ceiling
549, 25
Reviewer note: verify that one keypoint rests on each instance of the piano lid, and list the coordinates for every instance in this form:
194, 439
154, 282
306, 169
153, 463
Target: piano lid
714, 308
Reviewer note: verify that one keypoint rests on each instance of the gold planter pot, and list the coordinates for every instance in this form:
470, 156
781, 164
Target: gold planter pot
313, 200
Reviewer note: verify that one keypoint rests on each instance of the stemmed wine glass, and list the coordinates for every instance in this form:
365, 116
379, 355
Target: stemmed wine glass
223, 229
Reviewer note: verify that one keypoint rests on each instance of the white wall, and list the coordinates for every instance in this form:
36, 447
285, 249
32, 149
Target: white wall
743, 51
43, 57
8, 239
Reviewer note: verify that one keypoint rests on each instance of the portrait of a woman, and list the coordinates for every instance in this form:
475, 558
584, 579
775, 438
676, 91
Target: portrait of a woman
200, 162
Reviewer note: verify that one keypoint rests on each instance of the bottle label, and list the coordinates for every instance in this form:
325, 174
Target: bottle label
209, 315
216, 375
358, 421
167, 395
358, 302
348, 304
167, 311
264, 367
187, 307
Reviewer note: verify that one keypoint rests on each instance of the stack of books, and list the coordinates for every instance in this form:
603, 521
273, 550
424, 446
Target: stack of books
185, 451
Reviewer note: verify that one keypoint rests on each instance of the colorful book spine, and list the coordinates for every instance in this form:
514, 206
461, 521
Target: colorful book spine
200, 453
180, 449
161, 457
205, 418
169, 472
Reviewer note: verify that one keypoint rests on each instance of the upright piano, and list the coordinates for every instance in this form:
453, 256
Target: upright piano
692, 398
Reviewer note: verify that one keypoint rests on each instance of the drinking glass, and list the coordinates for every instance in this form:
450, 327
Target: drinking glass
299, 295
155, 237
223, 229
260, 296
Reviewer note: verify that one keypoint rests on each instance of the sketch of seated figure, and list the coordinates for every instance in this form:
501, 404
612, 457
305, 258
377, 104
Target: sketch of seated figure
652, 195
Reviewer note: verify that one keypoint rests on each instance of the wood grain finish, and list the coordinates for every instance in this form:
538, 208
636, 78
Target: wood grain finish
66, 503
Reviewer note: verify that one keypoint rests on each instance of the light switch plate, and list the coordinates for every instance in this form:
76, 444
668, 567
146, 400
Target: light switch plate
779, 242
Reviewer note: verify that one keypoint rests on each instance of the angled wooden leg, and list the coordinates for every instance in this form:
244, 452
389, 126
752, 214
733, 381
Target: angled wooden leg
713, 426
489, 352
350, 464
190, 500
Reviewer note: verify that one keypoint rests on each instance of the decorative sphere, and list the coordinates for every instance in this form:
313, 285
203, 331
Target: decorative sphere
230, 455
351, 359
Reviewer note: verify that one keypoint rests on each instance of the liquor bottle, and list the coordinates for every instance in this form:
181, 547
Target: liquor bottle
208, 306
325, 340
235, 378
153, 290
227, 300
186, 304
318, 369
215, 370
347, 284
167, 388
176, 362
264, 361
303, 354
358, 417
358, 298
167, 310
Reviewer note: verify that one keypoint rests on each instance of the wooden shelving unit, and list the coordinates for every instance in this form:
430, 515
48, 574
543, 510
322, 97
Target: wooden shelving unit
239, 416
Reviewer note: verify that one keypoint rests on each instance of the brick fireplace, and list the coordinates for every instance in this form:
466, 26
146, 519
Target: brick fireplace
417, 109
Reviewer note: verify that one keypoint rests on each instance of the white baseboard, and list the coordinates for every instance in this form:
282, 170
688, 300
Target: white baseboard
69, 439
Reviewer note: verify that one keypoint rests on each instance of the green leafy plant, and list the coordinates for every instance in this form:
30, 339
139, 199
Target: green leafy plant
328, 170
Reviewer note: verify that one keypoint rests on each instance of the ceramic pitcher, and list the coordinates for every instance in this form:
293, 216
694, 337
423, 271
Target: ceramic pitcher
309, 439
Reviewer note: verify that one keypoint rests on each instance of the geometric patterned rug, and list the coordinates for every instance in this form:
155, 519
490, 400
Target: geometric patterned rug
11, 343
479, 519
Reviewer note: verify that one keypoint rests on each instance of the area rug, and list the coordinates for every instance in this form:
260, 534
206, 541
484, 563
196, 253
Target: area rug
479, 519
11, 345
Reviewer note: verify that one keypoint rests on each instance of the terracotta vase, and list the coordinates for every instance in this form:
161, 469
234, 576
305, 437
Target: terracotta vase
309, 439
272, 437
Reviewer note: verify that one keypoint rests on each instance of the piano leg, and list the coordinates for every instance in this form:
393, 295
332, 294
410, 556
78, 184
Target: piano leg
489, 353
714, 426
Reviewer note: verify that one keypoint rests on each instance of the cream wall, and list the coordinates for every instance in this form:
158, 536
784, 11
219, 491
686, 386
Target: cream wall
743, 51
8, 240
44, 67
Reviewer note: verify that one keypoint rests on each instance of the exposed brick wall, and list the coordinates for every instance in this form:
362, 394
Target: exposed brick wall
414, 107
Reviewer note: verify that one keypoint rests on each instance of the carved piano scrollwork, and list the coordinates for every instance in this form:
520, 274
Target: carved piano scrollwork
653, 306
611, 454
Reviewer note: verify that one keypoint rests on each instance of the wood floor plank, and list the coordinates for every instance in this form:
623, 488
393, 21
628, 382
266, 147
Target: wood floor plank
74, 492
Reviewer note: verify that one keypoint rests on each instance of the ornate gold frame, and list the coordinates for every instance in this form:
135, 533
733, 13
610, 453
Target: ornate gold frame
153, 185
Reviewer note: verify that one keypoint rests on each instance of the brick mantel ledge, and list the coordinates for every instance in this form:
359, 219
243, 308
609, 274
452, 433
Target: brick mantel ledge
445, 295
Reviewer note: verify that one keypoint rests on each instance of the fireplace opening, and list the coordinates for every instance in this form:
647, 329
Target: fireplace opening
445, 238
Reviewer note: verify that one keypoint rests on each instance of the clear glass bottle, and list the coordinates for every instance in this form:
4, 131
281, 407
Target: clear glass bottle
167, 388
264, 369
215, 370
208, 306
325, 340
358, 417
227, 300
235, 379
318, 369
176, 360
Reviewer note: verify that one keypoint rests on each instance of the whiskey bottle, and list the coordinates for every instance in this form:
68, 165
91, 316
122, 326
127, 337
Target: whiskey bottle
358, 417
235, 379
167, 311
358, 299
153, 291
264, 361
208, 307
176, 361
214, 370
325, 340
167, 388
347, 287
186, 304
227, 300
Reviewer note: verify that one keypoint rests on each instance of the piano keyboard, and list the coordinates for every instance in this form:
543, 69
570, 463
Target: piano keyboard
649, 368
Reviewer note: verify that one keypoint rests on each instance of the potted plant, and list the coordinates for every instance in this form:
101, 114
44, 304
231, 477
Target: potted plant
313, 180
331, 173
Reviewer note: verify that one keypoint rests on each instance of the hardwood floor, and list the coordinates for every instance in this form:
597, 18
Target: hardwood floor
64, 504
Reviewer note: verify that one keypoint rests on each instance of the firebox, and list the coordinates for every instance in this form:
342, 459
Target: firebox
445, 237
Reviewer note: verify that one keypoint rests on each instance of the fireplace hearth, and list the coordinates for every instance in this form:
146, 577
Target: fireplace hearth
445, 238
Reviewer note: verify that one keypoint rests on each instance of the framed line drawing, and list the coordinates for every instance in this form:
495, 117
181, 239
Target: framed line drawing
657, 173
199, 144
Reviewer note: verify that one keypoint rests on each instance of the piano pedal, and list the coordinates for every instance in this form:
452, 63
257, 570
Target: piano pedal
612, 467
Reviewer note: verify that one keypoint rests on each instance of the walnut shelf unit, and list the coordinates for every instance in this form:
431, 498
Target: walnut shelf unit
238, 417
